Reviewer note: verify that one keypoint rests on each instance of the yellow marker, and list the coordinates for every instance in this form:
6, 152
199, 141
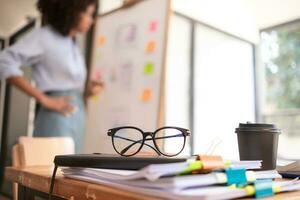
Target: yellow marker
232, 186
227, 163
150, 47
193, 166
250, 190
276, 189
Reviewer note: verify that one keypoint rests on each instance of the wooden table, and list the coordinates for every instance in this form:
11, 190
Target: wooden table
35, 181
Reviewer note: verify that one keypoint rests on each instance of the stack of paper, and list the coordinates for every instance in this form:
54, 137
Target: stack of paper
200, 186
151, 172
138, 178
163, 180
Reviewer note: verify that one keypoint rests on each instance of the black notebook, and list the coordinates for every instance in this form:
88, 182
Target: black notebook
290, 174
109, 161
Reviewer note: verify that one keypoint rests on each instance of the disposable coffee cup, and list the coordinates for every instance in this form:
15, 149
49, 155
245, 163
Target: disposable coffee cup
258, 142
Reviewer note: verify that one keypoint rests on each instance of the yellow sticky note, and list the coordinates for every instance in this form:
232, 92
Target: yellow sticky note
101, 40
95, 99
146, 95
150, 47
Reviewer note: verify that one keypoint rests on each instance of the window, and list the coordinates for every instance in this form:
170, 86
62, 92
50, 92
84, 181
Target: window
211, 76
280, 55
223, 91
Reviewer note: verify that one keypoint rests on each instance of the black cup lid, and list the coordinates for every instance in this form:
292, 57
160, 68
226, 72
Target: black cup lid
257, 127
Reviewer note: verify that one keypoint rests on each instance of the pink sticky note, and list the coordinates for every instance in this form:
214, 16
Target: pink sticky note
96, 75
153, 25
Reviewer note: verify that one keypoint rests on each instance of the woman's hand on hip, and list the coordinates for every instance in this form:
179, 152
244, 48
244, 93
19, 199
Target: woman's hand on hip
58, 104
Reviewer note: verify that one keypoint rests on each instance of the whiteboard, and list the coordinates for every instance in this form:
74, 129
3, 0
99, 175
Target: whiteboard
129, 56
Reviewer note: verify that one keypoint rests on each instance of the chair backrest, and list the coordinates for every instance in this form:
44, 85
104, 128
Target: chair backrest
16, 160
41, 151
33, 151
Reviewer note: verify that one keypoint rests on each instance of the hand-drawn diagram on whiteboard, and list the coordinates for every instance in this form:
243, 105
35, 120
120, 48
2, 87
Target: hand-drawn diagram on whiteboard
128, 55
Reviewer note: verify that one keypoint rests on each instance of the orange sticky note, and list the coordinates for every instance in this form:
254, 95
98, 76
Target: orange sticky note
101, 40
211, 162
150, 47
146, 96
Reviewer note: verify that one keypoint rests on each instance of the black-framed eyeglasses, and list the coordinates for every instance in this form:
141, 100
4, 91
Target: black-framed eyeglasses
129, 140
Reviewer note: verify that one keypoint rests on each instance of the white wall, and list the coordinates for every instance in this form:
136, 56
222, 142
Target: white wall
242, 18
233, 16
239, 17
274, 12
107, 5
13, 15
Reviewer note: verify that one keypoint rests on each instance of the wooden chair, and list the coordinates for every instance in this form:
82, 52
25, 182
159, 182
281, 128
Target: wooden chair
34, 151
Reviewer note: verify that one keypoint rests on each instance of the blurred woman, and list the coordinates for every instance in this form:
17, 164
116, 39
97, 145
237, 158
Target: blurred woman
59, 69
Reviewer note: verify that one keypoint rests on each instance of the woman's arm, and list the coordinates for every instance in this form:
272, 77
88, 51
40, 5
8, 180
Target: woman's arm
58, 104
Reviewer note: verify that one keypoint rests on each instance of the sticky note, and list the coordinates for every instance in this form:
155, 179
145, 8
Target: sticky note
101, 40
149, 68
263, 188
97, 75
95, 98
153, 26
99, 55
211, 162
150, 47
236, 176
146, 95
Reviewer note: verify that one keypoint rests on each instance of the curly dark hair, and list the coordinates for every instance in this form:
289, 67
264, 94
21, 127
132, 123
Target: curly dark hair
63, 15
